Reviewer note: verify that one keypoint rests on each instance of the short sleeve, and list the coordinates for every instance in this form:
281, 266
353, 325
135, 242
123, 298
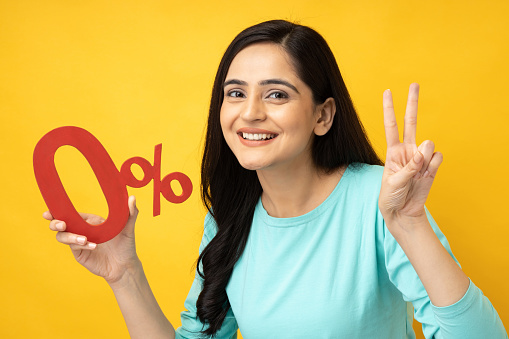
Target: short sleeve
471, 317
192, 326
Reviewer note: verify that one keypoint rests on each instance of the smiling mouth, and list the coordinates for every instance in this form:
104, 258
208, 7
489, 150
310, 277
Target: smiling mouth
257, 136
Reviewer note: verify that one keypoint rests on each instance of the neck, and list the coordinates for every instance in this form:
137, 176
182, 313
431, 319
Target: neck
291, 192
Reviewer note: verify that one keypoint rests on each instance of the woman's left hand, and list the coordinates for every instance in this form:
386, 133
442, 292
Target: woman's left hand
409, 169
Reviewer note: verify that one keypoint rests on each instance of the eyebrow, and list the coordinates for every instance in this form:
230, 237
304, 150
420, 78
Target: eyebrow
262, 83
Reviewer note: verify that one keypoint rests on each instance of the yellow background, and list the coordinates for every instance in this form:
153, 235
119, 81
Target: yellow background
136, 74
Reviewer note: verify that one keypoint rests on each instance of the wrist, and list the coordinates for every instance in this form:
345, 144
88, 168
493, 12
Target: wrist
404, 226
132, 272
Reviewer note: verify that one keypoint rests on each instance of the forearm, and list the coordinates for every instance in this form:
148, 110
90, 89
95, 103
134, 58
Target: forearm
443, 279
142, 314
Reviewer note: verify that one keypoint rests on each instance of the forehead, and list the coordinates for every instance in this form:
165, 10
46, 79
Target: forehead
262, 61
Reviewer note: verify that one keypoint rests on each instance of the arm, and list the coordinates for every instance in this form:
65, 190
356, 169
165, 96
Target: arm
117, 262
442, 278
408, 175
472, 316
142, 314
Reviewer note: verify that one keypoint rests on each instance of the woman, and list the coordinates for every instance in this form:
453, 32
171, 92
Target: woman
306, 235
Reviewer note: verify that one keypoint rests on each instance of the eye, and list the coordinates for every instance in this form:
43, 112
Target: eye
235, 94
278, 95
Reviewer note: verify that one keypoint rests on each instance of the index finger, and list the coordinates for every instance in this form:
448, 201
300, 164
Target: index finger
92, 219
391, 126
47, 215
410, 129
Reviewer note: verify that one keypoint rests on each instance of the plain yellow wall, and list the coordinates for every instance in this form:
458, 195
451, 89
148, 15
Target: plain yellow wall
136, 74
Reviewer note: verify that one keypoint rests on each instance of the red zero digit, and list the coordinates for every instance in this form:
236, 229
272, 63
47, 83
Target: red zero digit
105, 171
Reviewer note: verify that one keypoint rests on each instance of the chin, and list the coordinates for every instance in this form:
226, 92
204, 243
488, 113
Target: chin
252, 165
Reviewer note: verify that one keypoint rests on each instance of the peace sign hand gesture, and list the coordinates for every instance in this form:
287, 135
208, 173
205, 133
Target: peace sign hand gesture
409, 170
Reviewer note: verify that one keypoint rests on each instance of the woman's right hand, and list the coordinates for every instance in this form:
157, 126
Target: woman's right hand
110, 260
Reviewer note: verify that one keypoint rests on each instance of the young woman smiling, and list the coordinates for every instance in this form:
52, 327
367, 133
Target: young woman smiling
307, 235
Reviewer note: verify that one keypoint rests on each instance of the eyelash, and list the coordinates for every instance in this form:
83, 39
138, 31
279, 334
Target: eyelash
238, 94
232, 92
283, 95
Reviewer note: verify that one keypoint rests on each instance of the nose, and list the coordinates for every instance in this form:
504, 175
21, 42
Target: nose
253, 110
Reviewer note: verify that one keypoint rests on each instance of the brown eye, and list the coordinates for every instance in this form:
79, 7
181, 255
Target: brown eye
278, 95
235, 94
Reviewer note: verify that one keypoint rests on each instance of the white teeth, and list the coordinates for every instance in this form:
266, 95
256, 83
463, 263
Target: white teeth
257, 136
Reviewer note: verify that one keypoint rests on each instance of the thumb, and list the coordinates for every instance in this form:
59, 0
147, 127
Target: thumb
133, 214
412, 168
133, 210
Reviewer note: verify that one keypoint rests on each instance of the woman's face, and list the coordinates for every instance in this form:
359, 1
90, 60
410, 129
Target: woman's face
268, 116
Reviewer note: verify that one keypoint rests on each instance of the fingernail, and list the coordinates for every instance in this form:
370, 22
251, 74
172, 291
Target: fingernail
426, 174
81, 240
91, 245
60, 226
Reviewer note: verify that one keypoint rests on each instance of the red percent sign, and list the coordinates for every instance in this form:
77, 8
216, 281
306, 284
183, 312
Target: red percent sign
113, 183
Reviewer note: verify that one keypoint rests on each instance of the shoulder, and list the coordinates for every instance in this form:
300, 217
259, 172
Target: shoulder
366, 171
358, 191
364, 177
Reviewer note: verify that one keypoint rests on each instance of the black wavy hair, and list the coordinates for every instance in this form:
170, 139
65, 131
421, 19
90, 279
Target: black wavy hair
230, 192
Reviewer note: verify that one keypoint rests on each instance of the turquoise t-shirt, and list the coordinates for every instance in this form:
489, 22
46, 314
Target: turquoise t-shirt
336, 272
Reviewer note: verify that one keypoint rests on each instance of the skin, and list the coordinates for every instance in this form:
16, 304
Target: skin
291, 184
284, 166
287, 109
406, 182
118, 263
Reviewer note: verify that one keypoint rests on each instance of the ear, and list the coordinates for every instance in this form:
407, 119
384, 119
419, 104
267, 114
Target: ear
325, 116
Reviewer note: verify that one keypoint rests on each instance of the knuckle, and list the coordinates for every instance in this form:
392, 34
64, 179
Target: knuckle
53, 225
427, 146
75, 247
438, 157
410, 120
64, 237
390, 123
60, 237
429, 143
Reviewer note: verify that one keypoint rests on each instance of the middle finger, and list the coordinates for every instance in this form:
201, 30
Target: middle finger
57, 225
71, 238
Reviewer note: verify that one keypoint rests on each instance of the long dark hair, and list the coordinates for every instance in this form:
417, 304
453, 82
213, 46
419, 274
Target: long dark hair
231, 192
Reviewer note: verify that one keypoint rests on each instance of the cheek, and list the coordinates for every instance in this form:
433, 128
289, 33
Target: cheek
298, 125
